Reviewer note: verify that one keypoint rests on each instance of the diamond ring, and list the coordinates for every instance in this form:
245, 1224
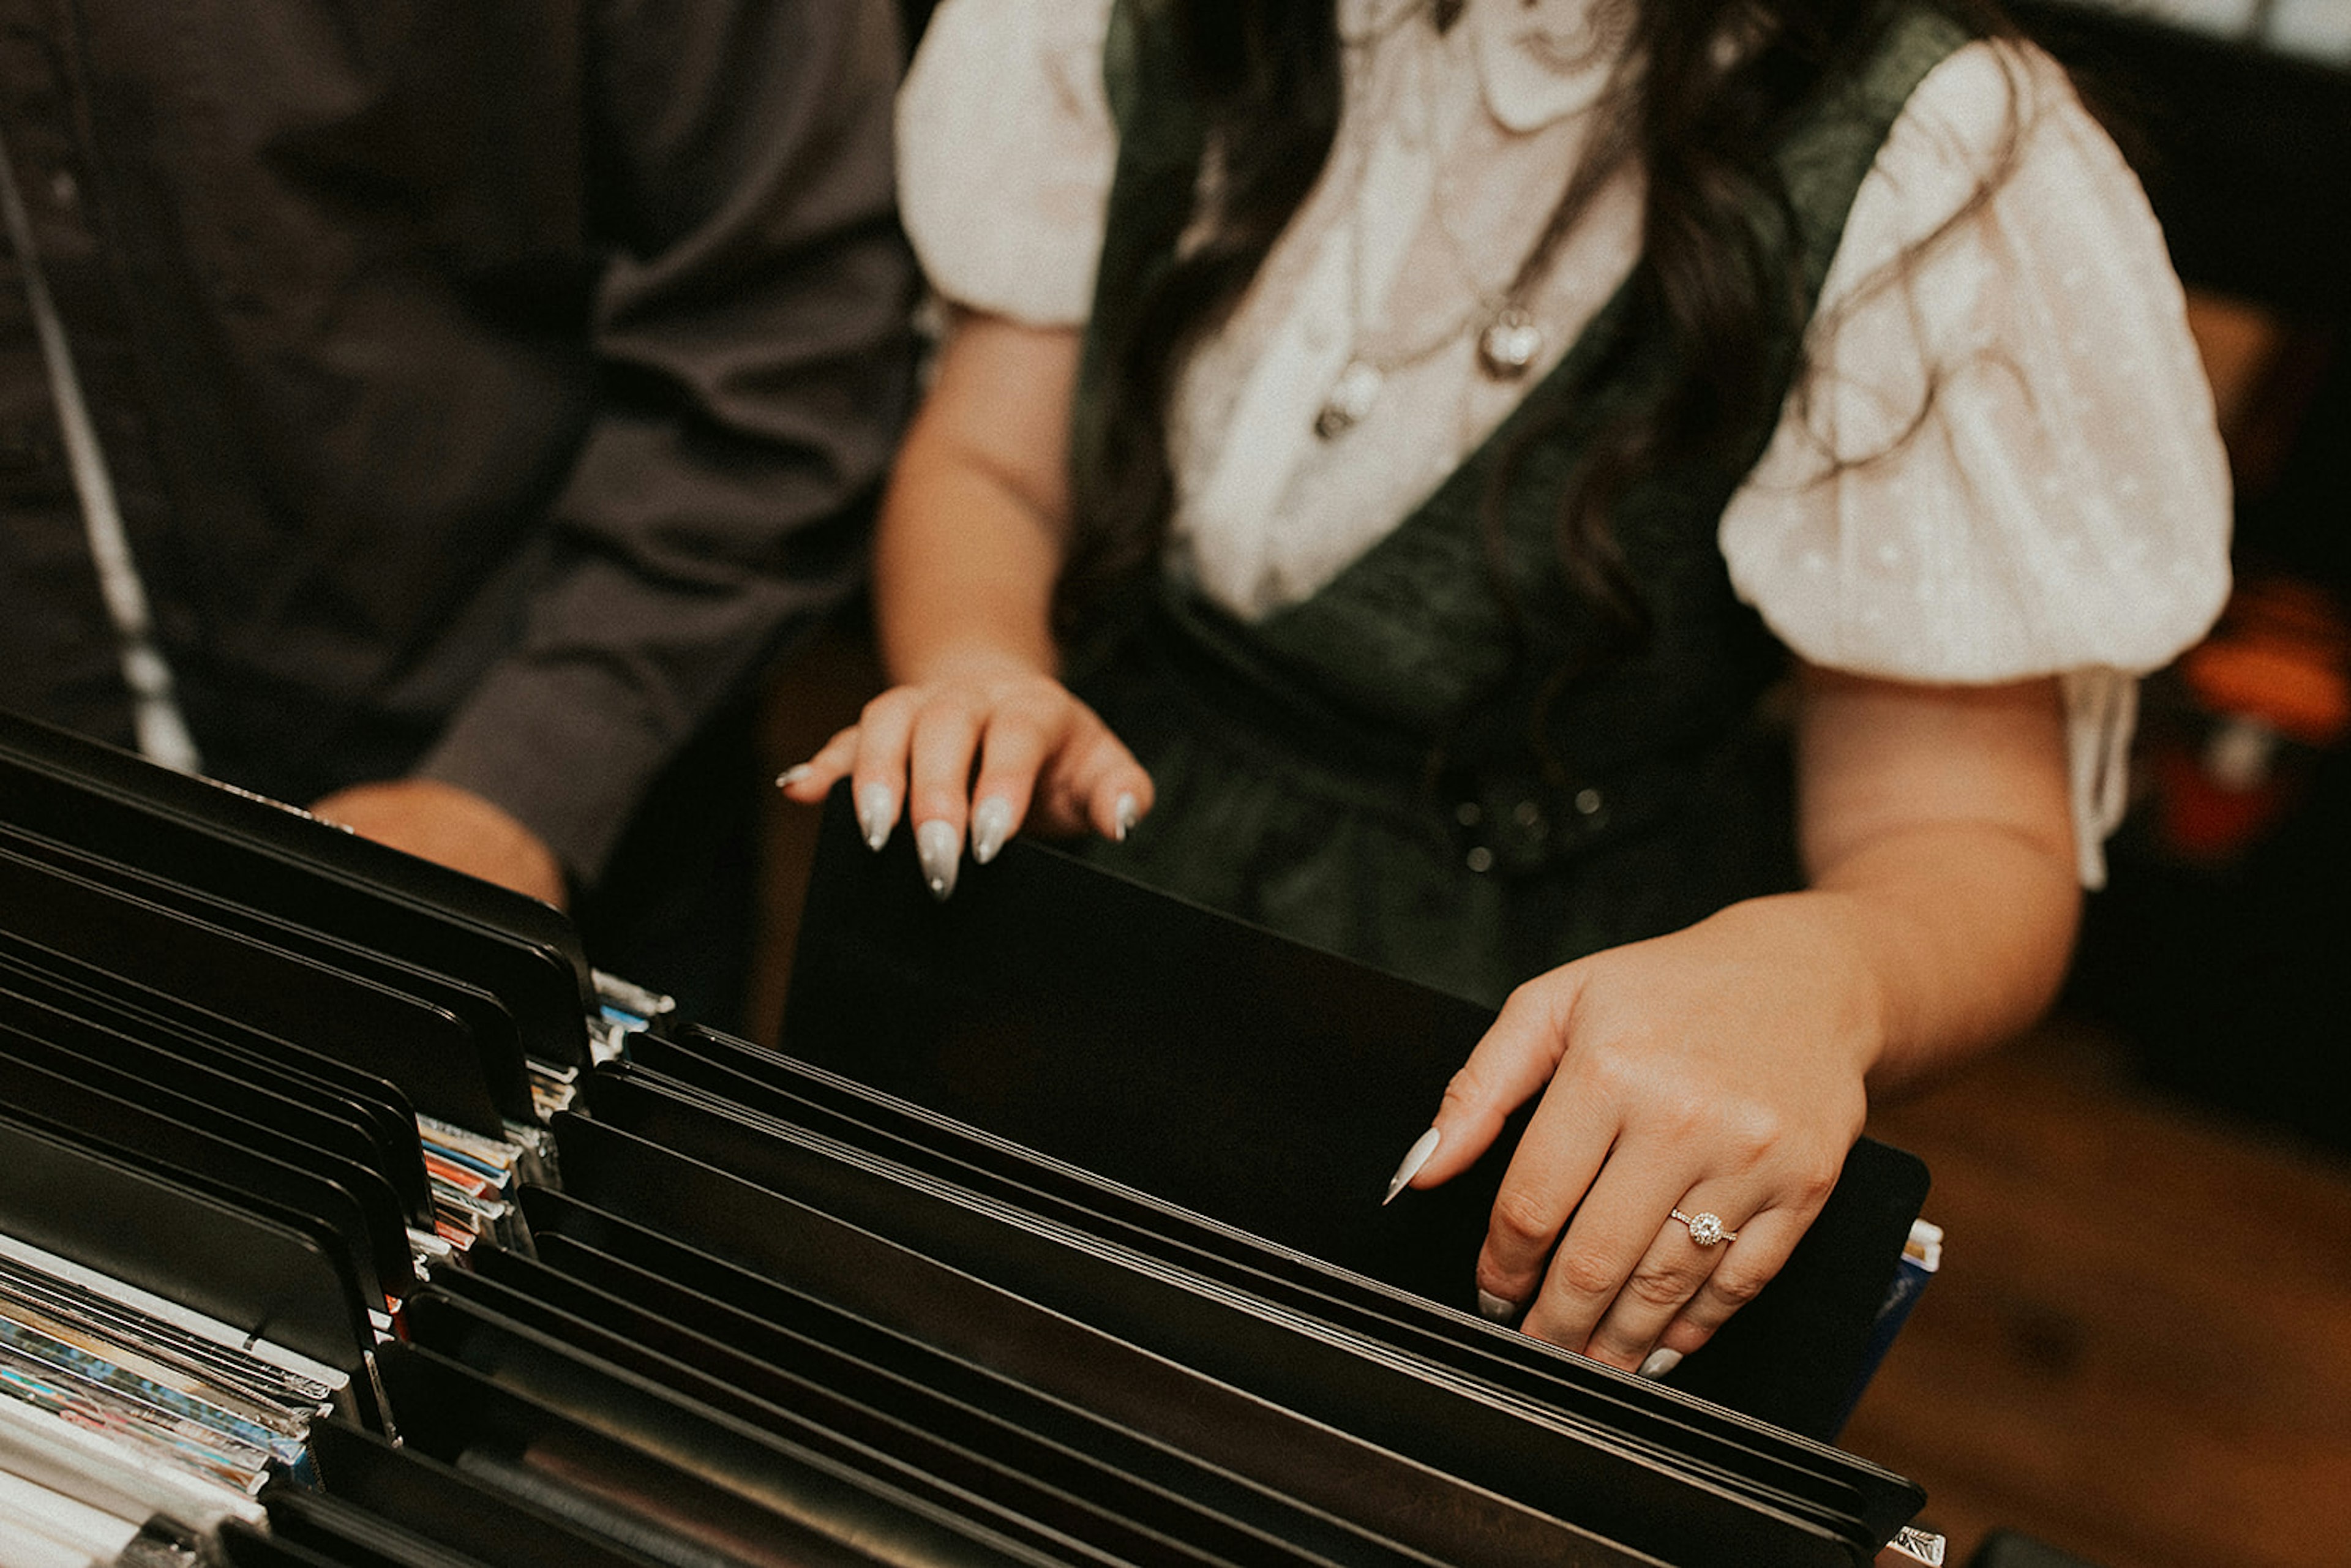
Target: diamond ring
1705, 1228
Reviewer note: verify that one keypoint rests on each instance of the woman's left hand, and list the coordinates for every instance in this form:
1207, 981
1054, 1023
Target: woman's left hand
1720, 1071
1717, 1070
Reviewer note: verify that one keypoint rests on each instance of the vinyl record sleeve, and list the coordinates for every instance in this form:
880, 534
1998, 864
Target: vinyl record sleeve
111, 1307
167, 1378
170, 1394
51, 1514
92, 1471
211, 1455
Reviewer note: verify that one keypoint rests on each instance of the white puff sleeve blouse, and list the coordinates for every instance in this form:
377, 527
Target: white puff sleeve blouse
2002, 465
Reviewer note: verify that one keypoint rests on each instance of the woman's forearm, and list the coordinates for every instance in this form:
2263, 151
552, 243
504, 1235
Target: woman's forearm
970, 538
1938, 837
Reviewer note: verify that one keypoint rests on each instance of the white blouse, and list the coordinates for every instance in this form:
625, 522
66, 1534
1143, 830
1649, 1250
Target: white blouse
2062, 507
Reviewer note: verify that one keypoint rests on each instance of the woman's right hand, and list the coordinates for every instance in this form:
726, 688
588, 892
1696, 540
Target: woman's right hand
986, 743
978, 736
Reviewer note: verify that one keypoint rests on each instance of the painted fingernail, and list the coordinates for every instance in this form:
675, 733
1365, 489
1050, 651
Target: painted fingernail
1124, 814
1494, 1309
792, 776
991, 824
940, 849
1414, 1158
1660, 1361
876, 811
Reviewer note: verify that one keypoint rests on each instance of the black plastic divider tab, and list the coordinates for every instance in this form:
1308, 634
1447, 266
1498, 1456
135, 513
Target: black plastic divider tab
859, 1399
214, 1251
1032, 1504
537, 1396
344, 1533
1591, 1477
184, 1070
484, 1017
724, 1300
1070, 1355
242, 1546
203, 834
353, 1207
444, 1502
1250, 1078
424, 1050
117, 1001
1734, 1451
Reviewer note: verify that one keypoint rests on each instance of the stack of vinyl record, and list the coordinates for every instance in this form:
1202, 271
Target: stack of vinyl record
255, 1075
701, 1303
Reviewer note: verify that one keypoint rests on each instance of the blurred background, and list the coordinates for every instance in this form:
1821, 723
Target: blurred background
2138, 1350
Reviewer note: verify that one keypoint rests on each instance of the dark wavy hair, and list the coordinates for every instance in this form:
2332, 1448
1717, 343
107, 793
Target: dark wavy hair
1702, 119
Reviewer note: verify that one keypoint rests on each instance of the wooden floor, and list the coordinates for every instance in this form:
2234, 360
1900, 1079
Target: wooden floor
2139, 1348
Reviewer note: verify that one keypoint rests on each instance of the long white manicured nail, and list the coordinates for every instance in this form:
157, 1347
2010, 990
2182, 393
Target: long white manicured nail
1494, 1309
940, 849
1124, 814
792, 776
991, 824
1414, 1158
1661, 1361
877, 811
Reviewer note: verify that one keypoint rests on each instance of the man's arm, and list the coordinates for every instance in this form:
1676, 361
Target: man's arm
752, 333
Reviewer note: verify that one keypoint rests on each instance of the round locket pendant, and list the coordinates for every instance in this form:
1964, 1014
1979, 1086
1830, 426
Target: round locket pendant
1509, 344
1351, 398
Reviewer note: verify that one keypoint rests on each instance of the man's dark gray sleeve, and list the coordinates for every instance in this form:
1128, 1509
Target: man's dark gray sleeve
752, 334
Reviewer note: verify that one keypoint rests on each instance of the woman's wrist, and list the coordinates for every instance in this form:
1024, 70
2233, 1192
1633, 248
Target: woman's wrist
979, 659
1820, 940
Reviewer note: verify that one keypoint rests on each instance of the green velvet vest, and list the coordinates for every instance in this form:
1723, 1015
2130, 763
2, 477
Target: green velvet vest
1381, 770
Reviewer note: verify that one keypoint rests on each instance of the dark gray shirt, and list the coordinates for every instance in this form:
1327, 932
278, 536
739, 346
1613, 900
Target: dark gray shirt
489, 385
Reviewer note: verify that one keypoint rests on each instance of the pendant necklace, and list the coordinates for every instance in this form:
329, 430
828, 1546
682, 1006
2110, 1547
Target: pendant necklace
1357, 388
1511, 344
1364, 376
1510, 340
